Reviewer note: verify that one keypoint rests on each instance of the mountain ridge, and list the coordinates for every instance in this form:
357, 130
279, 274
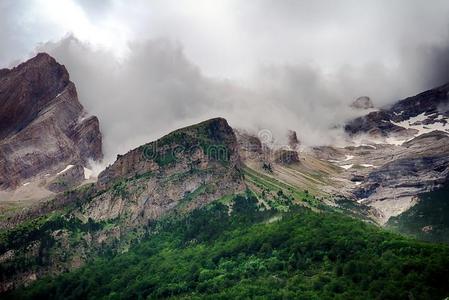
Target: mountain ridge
43, 126
258, 209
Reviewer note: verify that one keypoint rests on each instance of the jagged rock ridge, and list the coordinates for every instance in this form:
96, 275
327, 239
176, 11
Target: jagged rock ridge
43, 126
432, 104
191, 160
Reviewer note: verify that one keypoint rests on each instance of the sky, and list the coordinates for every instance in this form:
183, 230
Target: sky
147, 67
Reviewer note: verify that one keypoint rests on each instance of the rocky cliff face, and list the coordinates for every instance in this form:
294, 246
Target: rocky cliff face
184, 170
431, 108
363, 102
399, 153
43, 126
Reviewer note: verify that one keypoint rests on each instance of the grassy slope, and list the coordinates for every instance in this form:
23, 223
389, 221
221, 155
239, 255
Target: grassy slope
256, 251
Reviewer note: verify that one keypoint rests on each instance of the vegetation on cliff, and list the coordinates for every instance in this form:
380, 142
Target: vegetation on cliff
254, 252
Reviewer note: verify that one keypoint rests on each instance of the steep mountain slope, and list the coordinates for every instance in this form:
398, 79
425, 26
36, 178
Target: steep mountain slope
43, 126
182, 171
183, 217
428, 219
396, 153
393, 155
209, 211
423, 112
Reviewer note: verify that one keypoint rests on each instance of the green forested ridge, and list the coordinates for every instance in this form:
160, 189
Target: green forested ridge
254, 252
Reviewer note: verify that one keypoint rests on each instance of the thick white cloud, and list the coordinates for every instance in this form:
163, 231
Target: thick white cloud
151, 66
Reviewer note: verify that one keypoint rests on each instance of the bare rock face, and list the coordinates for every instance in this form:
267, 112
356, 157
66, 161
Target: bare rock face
363, 102
377, 123
183, 170
413, 158
421, 165
67, 179
293, 141
43, 126
389, 177
287, 157
249, 145
433, 103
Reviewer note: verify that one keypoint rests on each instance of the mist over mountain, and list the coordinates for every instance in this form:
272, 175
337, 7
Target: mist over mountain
164, 90
297, 67
224, 149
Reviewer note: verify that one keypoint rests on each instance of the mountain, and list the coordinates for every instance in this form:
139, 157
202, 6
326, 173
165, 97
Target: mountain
209, 211
421, 113
395, 154
177, 218
44, 129
254, 253
185, 170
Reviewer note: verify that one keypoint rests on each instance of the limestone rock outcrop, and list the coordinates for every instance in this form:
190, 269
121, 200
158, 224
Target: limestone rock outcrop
43, 126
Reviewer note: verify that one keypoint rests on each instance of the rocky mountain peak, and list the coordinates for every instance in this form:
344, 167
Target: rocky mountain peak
363, 102
27, 89
428, 108
43, 126
205, 145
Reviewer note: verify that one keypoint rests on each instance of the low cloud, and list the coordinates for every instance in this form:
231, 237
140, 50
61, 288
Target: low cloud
156, 89
290, 64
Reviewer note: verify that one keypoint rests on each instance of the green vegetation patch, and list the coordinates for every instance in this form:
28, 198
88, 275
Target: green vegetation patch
282, 194
253, 253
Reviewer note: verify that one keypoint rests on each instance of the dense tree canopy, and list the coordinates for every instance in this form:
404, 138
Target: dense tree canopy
254, 253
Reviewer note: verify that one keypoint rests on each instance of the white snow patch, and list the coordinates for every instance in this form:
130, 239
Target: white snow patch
346, 167
361, 200
26, 183
369, 146
348, 157
416, 123
357, 182
367, 165
66, 169
398, 114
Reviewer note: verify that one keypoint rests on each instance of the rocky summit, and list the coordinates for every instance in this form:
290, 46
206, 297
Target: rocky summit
363, 102
430, 109
43, 126
212, 211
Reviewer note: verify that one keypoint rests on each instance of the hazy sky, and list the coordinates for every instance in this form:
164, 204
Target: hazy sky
146, 67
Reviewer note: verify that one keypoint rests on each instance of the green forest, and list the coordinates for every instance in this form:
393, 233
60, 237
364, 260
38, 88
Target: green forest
251, 252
